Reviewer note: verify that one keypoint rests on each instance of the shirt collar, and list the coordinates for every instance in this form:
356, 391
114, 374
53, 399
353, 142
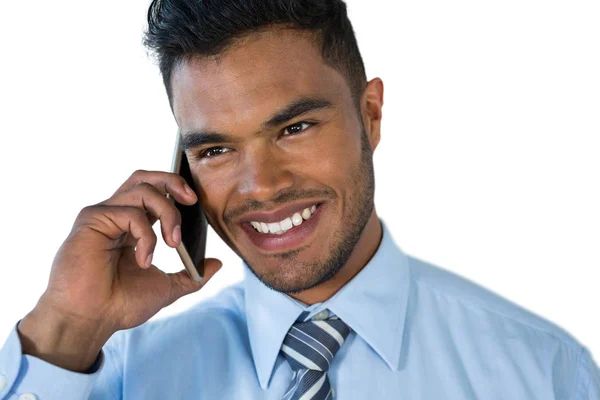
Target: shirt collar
373, 304
270, 314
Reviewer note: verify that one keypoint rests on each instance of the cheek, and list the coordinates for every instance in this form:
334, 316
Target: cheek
336, 159
212, 195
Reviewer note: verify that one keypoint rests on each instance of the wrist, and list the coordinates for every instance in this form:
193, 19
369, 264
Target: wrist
62, 340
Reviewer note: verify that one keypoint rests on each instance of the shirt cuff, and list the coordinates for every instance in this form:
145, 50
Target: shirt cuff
28, 374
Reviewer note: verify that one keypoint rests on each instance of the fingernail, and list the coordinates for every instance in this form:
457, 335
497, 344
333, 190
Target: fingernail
149, 260
177, 234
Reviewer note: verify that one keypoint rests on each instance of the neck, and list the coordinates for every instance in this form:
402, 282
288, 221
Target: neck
363, 251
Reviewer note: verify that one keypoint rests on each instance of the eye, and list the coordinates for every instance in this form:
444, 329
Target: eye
213, 152
296, 128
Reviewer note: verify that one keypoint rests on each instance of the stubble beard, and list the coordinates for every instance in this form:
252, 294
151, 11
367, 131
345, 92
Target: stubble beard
295, 276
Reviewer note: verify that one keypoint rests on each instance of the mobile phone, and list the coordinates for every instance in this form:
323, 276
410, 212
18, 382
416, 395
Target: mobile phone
192, 248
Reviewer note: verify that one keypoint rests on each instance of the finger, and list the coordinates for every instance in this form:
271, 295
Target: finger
182, 284
113, 222
164, 182
146, 197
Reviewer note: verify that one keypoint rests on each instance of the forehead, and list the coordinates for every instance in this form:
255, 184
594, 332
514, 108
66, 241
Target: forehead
259, 74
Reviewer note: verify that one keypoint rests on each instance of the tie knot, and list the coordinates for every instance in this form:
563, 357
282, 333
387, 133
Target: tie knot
313, 344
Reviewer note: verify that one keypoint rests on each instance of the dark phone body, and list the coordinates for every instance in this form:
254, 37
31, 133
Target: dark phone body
193, 220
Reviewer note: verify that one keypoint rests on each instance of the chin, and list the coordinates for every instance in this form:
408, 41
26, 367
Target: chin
288, 273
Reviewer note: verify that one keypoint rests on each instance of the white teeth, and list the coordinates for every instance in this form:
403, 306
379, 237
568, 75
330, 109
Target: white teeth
281, 227
297, 219
286, 224
306, 213
274, 227
264, 228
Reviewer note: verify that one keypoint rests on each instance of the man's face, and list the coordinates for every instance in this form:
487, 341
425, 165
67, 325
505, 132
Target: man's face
279, 155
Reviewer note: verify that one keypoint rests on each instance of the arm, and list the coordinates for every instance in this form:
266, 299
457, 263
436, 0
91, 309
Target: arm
587, 378
28, 374
102, 281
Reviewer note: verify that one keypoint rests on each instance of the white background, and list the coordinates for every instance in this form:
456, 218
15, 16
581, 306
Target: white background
488, 164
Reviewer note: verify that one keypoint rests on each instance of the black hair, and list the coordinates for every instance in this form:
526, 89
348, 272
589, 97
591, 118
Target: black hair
179, 30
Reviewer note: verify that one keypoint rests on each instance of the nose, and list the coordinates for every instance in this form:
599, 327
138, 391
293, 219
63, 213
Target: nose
263, 174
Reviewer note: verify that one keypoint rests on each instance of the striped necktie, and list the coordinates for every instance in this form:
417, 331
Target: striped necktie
309, 347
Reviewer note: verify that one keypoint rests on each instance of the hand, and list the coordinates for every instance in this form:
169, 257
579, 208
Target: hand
102, 279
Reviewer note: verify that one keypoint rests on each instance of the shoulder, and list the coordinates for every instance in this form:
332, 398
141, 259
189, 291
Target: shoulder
492, 333
486, 309
456, 321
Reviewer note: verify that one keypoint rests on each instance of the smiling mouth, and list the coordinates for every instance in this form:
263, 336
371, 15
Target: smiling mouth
288, 234
281, 227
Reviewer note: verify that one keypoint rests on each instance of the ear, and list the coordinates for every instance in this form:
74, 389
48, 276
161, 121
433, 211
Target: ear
371, 104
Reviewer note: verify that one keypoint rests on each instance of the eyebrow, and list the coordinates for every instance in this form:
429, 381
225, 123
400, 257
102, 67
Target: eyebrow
294, 109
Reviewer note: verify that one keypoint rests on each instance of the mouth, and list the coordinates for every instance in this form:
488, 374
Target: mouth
286, 234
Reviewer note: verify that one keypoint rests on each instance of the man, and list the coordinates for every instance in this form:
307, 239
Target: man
279, 125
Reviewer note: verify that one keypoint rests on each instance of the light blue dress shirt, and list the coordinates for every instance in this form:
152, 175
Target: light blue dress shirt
418, 332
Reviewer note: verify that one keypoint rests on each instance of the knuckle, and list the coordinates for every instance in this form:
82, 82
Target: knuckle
139, 219
84, 211
165, 208
137, 214
87, 211
134, 180
149, 236
137, 174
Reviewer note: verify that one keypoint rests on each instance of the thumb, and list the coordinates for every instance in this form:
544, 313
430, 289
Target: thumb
182, 284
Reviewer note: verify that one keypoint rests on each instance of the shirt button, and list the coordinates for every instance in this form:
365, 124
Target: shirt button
27, 396
322, 315
2, 382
